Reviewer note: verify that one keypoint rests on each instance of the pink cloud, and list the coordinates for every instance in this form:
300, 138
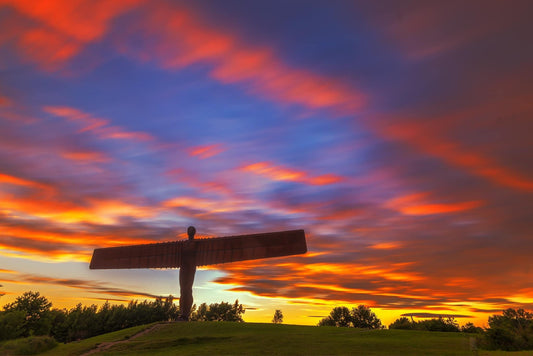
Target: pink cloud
61, 29
100, 127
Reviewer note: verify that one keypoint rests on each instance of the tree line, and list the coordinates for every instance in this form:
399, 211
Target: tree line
511, 331
32, 315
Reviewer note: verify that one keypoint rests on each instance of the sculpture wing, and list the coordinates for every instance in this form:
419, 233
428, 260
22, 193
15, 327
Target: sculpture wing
160, 255
250, 247
208, 251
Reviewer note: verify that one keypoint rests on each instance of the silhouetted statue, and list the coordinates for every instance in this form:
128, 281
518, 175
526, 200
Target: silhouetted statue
189, 254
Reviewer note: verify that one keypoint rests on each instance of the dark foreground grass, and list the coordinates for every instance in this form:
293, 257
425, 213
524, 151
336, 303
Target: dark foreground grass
220, 338
83, 346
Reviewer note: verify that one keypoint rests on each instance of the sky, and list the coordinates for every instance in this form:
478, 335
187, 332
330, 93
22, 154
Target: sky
396, 134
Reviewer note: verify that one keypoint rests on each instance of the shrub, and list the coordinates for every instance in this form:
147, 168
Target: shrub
28, 346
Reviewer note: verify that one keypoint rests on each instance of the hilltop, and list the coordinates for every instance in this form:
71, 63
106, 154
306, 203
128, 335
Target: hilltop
226, 338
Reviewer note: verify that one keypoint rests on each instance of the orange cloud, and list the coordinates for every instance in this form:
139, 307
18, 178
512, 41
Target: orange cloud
439, 208
76, 244
206, 151
278, 173
85, 156
386, 246
52, 207
9, 179
416, 204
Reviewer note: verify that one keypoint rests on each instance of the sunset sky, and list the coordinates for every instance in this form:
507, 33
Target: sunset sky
396, 133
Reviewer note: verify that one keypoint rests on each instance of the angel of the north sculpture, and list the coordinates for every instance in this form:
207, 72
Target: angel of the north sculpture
189, 254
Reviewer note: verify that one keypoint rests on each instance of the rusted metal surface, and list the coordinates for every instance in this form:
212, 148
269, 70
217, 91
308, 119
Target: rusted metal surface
207, 251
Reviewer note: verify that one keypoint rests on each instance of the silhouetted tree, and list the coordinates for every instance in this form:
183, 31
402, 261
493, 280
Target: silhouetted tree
363, 317
30, 314
219, 312
36, 309
471, 329
278, 317
360, 317
437, 324
12, 324
513, 330
403, 323
339, 316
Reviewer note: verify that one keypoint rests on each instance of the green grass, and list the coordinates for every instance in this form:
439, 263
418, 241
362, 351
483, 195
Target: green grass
220, 338
224, 338
505, 353
80, 347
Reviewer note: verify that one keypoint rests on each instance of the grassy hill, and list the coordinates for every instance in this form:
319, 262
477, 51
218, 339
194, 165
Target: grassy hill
221, 338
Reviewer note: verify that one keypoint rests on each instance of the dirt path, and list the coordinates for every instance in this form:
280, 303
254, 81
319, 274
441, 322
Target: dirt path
106, 345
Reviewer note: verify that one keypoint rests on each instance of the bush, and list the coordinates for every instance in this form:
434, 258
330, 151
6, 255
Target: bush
28, 346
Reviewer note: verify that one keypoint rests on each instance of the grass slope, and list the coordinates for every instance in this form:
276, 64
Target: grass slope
219, 338
83, 346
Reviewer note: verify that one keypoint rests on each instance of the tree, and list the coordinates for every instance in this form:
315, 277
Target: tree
360, 317
363, 317
37, 308
219, 312
12, 324
339, 316
440, 324
511, 331
278, 317
403, 323
471, 329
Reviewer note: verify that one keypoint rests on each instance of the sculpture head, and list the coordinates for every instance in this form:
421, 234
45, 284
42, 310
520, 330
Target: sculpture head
191, 231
